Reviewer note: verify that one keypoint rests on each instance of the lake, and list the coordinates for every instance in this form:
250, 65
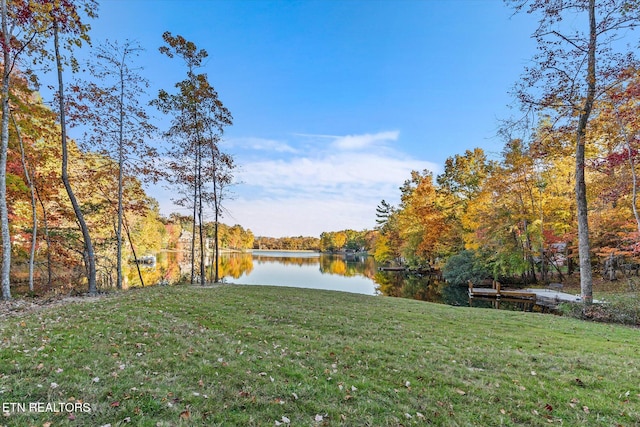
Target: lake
336, 272
304, 270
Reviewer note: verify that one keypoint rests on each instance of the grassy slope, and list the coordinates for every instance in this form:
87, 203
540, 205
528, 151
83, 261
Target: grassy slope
248, 355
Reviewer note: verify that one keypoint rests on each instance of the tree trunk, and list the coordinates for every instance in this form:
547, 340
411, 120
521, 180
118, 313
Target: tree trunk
90, 258
34, 211
202, 252
193, 232
46, 238
584, 247
133, 250
4, 209
120, 176
216, 201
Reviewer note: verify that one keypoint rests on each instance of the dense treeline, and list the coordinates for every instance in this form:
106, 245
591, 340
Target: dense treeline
517, 214
347, 240
299, 243
567, 178
329, 241
77, 209
230, 237
59, 248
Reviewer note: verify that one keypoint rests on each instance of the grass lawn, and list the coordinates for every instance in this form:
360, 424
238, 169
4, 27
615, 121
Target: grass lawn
265, 356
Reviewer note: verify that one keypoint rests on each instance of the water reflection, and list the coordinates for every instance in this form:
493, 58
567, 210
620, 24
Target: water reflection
426, 287
305, 270
350, 273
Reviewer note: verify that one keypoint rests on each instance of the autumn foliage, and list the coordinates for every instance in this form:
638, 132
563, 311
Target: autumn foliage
517, 212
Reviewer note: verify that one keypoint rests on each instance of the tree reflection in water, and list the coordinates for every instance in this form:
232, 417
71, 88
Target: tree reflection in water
236, 267
421, 287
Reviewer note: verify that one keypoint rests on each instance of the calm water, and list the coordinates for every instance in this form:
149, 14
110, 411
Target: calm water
357, 274
305, 270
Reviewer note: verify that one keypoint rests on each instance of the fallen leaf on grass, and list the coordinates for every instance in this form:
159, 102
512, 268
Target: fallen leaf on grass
548, 407
319, 418
185, 415
586, 409
115, 404
461, 392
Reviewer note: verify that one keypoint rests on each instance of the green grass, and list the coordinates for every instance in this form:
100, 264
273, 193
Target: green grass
258, 356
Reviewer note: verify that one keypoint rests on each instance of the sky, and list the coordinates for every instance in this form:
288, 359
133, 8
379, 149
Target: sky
335, 102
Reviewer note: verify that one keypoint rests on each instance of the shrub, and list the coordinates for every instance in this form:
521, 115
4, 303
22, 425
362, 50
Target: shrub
623, 309
463, 267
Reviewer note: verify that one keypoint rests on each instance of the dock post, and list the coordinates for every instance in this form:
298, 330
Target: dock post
496, 286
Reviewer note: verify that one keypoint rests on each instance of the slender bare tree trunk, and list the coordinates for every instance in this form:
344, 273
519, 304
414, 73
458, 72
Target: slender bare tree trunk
34, 211
46, 238
4, 209
120, 177
216, 278
193, 234
586, 277
133, 250
202, 266
90, 258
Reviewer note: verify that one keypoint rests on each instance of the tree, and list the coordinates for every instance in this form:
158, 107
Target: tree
460, 183
66, 19
22, 30
421, 219
118, 125
4, 209
199, 119
221, 177
575, 66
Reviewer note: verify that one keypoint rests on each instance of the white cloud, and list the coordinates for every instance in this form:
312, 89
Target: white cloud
260, 144
278, 217
324, 173
331, 187
357, 142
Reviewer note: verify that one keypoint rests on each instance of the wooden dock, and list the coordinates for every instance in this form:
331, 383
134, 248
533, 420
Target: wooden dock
546, 298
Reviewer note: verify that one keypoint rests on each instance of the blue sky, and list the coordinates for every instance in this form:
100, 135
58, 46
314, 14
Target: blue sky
335, 101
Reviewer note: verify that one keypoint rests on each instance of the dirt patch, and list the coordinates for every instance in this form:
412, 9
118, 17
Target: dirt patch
21, 306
